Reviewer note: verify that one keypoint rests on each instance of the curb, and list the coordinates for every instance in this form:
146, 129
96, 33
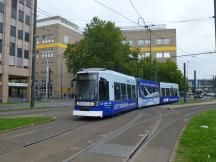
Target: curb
188, 105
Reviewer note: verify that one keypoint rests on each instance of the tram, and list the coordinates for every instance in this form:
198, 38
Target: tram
101, 92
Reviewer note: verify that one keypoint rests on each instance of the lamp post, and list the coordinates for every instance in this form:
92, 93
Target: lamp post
33, 57
61, 78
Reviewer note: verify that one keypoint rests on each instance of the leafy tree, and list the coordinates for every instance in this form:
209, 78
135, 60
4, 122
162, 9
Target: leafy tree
165, 71
101, 47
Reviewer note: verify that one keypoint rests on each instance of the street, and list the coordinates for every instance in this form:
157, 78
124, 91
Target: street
148, 135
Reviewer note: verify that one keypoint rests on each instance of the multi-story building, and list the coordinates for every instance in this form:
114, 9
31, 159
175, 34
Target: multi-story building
52, 77
16, 19
158, 41
207, 85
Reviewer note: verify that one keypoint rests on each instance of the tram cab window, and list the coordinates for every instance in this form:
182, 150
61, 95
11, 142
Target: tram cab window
129, 91
123, 91
103, 90
117, 91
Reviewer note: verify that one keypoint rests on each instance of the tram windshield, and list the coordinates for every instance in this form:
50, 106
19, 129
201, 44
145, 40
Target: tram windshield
87, 86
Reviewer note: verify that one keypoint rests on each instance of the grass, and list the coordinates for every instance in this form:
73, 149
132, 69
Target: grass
12, 123
198, 144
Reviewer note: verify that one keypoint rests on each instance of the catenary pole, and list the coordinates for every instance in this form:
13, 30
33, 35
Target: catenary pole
33, 56
185, 94
215, 20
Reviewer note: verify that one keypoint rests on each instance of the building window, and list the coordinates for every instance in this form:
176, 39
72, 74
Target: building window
124, 42
1, 27
22, 1
147, 54
26, 54
1, 7
21, 16
27, 19
0, 46
14, 4
19, 52
166, 55
130, 43
26, 37
66, 39
147, 42
159, 41
127, 42
159, 55
140, 42
166, 41
12, 49
13, 13
20, 34
13, 31
29, 3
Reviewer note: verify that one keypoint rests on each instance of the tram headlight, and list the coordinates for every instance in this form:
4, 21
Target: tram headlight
77, 103
93, 103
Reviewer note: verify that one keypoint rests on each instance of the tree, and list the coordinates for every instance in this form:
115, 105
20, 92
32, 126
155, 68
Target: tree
166, 72
101, 47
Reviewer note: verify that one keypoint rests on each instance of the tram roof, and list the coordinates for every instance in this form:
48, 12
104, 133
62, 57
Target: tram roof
106, 71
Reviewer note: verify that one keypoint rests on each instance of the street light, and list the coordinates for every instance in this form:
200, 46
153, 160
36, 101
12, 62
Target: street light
33, 57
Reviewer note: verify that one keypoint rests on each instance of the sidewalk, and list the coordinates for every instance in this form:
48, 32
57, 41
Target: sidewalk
39, 104
189, 105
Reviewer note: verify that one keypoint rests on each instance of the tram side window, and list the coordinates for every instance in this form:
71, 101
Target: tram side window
145, 90
175, 92
103, 89
133, 91
129, 91
167, 92
163, 92
123, 91
172, 92
117, 91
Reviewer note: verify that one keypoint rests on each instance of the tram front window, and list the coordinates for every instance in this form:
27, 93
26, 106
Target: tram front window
87, 87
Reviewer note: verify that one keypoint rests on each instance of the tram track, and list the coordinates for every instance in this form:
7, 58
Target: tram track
155, 131
153, 115
85, 123
71, 130
116, 133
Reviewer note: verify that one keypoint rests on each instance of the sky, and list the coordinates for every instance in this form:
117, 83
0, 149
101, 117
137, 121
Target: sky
192, 19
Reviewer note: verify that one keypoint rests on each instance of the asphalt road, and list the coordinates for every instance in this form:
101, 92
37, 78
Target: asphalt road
147, 135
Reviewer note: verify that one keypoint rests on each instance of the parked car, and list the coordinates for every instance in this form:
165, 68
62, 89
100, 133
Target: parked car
211, 94
198, 93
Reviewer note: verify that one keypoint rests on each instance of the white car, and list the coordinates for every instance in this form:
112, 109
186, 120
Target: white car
210, 94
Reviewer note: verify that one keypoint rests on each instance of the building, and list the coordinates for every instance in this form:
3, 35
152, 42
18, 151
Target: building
53, 35
159, 40
16, 19
207, 85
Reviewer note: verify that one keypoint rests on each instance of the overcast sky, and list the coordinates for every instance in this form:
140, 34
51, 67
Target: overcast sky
192, 36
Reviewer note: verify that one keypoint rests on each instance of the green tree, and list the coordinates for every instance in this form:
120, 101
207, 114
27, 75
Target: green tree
100, 47
166, 72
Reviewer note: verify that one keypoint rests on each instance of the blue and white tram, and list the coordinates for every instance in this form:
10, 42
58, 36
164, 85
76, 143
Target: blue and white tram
169, 93
148, 93
101, 92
